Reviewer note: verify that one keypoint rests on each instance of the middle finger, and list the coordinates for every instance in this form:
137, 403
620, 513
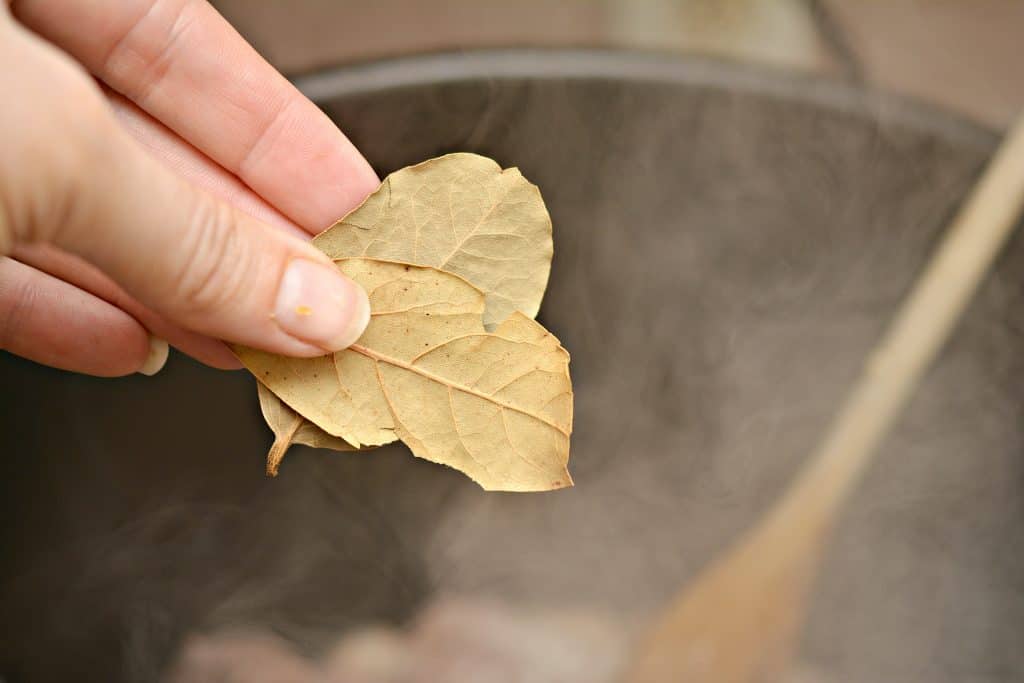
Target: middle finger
88, 278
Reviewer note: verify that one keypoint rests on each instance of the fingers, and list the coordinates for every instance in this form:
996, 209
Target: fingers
54, 323
194, 166
175, 58
206, 264
193, 259
88, 278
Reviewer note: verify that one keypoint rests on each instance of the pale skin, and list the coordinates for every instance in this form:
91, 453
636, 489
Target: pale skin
159, 181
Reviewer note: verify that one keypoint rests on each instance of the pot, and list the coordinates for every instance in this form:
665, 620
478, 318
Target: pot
729, 243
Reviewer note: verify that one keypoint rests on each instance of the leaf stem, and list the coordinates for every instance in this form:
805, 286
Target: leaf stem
281, 443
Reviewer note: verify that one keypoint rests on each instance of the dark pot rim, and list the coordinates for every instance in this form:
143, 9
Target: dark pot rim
648, 67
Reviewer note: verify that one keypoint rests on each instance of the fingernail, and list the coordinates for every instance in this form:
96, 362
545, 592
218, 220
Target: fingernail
320, 306
157, 357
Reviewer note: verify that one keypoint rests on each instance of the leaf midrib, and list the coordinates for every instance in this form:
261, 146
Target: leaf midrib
381, 358
479, 223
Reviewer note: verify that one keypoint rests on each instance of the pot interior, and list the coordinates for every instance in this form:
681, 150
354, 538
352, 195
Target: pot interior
729, 243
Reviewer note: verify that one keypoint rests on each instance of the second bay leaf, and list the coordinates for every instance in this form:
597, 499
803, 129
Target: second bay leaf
461, 213
291, 428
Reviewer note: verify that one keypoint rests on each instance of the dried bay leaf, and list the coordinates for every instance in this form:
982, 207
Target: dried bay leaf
291, 428
494, 405
504, 418
459, 212
341, 393
463, 214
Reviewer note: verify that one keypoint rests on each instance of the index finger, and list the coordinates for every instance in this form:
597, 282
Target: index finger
183, 63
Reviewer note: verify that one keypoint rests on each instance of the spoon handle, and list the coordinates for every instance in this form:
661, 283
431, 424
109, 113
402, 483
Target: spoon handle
737, 621
922, 325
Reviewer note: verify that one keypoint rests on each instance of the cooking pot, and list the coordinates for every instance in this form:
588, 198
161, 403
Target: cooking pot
729, 243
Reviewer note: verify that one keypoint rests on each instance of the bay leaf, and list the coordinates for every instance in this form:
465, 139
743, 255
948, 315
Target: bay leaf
463, 214
493, 223
494, 405
291, 428
341, 393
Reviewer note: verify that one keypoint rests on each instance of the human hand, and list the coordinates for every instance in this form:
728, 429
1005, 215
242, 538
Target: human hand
168, 197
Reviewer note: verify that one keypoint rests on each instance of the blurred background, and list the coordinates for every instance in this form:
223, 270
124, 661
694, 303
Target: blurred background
961, 54
768, 222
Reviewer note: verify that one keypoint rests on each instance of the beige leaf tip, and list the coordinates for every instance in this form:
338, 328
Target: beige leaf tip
565, 483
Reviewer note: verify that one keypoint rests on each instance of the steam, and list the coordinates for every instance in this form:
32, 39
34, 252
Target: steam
728, 245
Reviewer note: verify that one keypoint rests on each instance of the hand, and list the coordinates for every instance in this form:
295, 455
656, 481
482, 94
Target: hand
171, 198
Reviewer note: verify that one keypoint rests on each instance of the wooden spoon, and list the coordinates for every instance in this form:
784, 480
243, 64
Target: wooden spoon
737, 622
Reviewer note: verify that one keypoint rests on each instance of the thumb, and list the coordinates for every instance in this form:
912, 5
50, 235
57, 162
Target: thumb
197, 261
208, 266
